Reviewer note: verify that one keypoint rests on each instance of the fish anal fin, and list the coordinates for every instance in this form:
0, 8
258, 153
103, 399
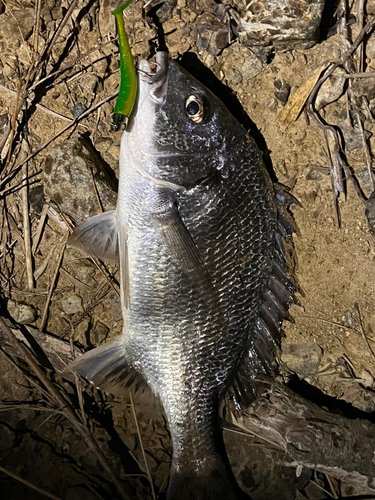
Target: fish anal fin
98, 235
108, 367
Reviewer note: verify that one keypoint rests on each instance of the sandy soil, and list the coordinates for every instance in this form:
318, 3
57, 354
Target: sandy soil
334, 266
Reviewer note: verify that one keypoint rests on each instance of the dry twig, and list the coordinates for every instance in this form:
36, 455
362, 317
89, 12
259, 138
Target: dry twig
30, 485
40, 227
336, 159
51, 139
64, 406
51, 288
142, 448
26, 224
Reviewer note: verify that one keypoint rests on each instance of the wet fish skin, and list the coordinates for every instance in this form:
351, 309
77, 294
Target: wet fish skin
196, 228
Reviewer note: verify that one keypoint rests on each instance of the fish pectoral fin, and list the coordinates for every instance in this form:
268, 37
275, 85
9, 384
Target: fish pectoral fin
98, 236
180, 242
108, 368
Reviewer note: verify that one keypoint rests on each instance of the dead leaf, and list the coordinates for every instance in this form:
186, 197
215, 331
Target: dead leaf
296, 103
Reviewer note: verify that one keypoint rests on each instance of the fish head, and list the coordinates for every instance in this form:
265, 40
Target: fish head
180, 130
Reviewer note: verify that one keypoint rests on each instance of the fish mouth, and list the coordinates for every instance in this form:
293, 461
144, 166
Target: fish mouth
155, 85
153, 88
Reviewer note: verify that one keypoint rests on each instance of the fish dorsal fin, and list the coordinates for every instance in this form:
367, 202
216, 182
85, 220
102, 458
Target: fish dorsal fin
109, 367
98, 236
258, 365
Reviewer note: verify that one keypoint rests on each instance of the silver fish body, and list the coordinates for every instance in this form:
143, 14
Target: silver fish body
202, 283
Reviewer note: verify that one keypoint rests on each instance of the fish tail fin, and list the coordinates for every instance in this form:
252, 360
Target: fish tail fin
212, 484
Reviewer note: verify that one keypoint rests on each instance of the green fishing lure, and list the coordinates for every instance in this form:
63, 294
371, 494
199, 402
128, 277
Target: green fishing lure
128, 83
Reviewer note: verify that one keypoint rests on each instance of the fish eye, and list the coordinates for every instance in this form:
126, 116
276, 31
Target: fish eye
194, 108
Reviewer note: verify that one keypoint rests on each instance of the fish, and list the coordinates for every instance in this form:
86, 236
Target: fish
203, 275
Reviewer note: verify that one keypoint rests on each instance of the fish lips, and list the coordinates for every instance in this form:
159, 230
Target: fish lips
155, 86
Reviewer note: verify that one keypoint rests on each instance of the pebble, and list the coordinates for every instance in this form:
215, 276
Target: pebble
21, 313
212, 34
99, 332
72, 304
272, 103
332, 89
282, 90
350, 320
280, 166
251, 67
77, 110
353, 137
303, 359
234, 75
185, 15
68, 170
36, 198
313, 175
90, 82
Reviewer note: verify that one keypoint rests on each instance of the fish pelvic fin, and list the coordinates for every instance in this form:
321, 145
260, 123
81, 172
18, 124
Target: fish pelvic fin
109, 367
258, 365
98, 236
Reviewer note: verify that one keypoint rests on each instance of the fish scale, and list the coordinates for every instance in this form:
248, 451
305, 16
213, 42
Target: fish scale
203, 286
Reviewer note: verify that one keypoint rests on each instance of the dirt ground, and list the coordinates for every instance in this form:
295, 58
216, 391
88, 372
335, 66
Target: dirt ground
329, 342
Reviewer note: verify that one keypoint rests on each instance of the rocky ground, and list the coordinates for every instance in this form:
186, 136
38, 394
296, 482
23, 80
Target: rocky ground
328, 351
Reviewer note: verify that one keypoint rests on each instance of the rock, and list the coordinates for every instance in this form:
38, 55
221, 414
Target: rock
68, 179
303, 359
285, 24
4, 120
313, 175
353, 137
90, 82
57, 13
251, 67
363, 87
36, 198
16, 26
99, 333
234, 76
72, 304
77, 110
280, 167
212, 34
282, 90
272, 103
81, 333
332, 89
370, 214
21, 313
165, 12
